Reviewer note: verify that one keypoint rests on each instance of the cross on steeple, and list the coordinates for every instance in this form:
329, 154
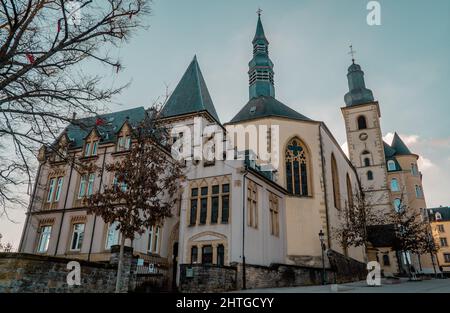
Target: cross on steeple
259, 11
352, 53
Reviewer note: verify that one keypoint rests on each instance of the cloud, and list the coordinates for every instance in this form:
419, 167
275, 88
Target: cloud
425, 164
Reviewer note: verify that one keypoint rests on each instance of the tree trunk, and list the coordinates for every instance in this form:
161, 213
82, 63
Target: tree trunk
434, 267
408, 268
120, 265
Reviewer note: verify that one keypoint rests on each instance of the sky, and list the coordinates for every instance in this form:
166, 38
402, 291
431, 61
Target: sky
406, 61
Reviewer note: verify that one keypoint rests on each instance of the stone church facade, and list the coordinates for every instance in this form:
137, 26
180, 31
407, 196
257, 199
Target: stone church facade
234, 212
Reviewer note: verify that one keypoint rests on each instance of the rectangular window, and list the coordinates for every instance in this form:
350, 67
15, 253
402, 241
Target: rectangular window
127, 142
207, 255
204, 191
120, 144
441, 228
214, 209
77, 237
225, 188
194, 254
94, 148
447, 257
150, 239
59, 188
274, 218
153, 239
252, 205
157, 240
51, 189
444, 242
225, 209
87, 149
193, 217
44, 238
289, 177
215, 189
82, 188
220, 255
90, 187
112, 237
203, 210
194, 192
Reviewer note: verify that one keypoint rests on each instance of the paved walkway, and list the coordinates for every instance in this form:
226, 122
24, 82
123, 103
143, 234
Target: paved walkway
405, 286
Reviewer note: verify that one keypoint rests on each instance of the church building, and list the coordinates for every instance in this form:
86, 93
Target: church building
234, 212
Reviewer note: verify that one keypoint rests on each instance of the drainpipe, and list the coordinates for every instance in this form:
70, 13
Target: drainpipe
243, 230
324, 186
25, 228
65, 204
95, 216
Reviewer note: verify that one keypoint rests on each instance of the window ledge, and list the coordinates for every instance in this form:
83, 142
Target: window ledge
88, 158
119, 153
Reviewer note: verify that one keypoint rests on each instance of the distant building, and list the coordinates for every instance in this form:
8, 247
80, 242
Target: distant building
440, 226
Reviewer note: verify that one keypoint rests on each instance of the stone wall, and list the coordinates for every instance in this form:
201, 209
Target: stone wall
345, 268
21, 272
207, 278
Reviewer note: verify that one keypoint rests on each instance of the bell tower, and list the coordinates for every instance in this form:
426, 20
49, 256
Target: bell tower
365, 142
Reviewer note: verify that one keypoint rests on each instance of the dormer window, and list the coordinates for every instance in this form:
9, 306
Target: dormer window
91, 145
123, 143
438, 216
391, 165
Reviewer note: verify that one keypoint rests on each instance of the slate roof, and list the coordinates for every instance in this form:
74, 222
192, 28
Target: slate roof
259, 34
389, 153
265, 106
444, 211
191, 95
399, 146
112, 123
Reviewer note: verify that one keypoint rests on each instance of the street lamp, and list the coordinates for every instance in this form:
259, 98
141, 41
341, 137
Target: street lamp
322, 247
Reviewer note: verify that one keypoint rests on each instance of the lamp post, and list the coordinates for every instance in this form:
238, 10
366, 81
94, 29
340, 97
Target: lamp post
322, 247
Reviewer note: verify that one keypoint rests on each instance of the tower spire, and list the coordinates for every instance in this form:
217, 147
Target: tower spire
358, 93
260, 67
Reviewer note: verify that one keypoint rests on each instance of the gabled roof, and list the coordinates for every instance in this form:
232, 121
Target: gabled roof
265, 106
108, 127
399, 146
191, 95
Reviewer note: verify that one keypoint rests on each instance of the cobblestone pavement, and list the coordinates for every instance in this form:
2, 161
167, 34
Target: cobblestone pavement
402, 286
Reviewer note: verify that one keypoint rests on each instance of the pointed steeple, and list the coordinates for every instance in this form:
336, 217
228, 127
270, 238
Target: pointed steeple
260, 67
358, 93
191, 95
399, 146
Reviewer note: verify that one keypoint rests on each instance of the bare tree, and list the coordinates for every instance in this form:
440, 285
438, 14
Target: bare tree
411, 231
355, 219
145, 186
45, 47
5, 247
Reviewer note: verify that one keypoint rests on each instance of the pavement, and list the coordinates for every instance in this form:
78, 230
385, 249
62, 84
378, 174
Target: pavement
401, 286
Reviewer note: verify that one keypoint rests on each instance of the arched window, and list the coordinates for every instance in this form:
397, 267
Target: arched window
297, 167
394, 185
362, 123
369, 175
391, 165
397, 205
349, 193
335, 179
366, 158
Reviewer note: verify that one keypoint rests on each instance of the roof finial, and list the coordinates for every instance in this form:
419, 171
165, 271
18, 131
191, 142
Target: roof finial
352, 53
259, 11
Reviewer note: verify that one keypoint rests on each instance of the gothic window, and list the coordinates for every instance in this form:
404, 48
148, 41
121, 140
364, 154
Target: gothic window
349, 193
362, 123
366, 162
391, 165
369, 175
366, 158
335, 180
297, 165
394, 185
